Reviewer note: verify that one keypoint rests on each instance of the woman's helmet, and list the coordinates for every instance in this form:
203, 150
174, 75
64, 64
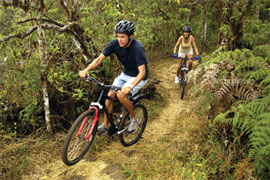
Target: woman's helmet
186, 29
124, 26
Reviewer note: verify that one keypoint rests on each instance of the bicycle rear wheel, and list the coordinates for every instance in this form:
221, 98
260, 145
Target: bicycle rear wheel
129, 139
182, 87
75, 146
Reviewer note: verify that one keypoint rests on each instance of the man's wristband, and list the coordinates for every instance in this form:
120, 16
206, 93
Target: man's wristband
131, 86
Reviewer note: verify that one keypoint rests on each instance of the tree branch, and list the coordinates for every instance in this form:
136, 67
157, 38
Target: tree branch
64, 6
46, 26
45, 20
59, 28
20, 35
194, 3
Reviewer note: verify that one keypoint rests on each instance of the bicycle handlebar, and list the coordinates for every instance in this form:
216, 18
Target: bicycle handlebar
113, 88
196, 58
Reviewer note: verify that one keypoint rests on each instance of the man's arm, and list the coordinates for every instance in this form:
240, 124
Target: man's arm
92, 65
137, 80
140, 76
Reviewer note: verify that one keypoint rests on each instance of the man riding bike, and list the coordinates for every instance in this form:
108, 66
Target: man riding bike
131, 54
186, 41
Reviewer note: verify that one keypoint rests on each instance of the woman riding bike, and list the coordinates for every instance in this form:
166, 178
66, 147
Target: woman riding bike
187, 43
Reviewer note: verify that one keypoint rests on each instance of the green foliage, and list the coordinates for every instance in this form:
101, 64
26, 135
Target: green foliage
263, 51
256, 31
249, 119
158, 25
252, 119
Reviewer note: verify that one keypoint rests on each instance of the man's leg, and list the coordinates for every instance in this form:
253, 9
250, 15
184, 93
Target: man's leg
109, 106
124, 99
118, 82
127, 103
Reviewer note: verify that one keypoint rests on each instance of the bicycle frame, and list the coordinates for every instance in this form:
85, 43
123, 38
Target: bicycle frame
97, 107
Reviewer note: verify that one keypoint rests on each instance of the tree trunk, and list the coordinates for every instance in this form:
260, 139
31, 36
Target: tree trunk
204, 30
118, 6
189, 16
43, 64
81, 41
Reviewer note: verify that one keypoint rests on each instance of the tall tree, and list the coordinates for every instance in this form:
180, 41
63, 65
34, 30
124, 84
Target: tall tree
233, 15
42, 23
43, 63
204, 26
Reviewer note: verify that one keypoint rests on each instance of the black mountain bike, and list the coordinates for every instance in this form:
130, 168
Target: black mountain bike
82, 133
183, 78
183, 74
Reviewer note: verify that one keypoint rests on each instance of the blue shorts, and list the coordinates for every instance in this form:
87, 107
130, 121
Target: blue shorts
124, 80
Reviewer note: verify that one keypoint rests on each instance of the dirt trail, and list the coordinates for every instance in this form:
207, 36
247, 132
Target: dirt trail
100, 169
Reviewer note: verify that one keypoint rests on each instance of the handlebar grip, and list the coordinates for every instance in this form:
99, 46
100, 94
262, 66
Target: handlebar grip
197, 57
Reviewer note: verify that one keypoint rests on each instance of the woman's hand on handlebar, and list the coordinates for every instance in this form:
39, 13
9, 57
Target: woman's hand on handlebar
197, 57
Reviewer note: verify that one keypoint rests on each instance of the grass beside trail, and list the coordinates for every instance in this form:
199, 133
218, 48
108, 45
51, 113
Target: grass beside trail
26, 157
176, 155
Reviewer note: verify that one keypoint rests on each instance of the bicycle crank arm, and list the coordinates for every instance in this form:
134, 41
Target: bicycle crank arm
120, 132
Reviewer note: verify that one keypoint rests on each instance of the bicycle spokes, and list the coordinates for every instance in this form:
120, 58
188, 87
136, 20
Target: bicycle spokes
75, 148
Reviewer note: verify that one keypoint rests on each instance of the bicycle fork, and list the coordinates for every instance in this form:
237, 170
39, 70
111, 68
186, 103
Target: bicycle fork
92, 125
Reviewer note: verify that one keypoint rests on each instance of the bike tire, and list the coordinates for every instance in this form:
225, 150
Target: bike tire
127, 139
182, 87
74, 147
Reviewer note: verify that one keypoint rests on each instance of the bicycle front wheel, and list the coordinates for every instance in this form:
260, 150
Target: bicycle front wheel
75, 145
182, 87
126, 138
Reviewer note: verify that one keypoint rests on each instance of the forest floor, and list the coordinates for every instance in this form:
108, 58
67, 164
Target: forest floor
171, 126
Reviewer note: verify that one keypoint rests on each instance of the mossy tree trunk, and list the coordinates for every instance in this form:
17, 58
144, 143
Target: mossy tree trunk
233, 15
43, 64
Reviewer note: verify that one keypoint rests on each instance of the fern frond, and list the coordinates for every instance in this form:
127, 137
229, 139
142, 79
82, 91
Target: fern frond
233, 90
266, 90
258, 75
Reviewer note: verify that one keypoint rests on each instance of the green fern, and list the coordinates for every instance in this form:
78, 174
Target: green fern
261, 75
247, 115
253, 119
266, 90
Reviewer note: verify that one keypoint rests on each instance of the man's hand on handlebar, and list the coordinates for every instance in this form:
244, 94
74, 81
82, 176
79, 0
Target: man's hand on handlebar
83, 73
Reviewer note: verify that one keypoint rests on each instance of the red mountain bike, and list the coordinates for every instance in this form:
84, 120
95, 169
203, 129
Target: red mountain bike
82, 133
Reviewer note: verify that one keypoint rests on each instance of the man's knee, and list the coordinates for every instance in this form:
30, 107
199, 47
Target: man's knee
122, 97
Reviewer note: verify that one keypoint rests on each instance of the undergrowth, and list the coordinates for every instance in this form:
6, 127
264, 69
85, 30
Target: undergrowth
233, 93
21, 156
